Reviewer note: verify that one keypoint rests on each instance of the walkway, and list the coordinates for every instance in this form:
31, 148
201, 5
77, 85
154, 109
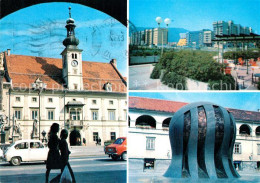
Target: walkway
139, 79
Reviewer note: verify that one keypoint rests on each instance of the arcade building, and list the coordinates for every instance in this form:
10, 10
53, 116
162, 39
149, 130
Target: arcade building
148, 135
86, 98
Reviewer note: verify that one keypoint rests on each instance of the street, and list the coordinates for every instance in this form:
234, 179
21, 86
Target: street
86, 169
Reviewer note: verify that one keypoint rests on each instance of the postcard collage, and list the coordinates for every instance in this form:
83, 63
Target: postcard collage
129, 91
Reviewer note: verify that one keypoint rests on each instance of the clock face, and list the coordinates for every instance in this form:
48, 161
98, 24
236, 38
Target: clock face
74, 63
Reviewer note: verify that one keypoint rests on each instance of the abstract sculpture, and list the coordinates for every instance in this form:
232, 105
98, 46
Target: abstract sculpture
202, 137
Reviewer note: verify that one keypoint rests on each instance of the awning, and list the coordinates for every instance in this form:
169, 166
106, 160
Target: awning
74, 104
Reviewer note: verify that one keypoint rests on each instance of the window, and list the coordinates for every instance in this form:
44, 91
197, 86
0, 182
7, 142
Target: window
150, 143
18, 114
95, 136
17, 99
50, 114
72, 55
94, 114
36, 145
258, 149
34, 114
75, 86
76, 56
23, 145
50, 100
94, 101
113, 135
111, 102
74, 115
34, 99
237, 148
75, 71
111, 115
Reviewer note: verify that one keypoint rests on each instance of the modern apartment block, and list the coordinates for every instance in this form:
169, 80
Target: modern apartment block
222, 28
148, 37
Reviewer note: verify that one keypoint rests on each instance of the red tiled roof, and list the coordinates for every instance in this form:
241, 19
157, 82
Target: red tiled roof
24, 70
155, 104
172, 107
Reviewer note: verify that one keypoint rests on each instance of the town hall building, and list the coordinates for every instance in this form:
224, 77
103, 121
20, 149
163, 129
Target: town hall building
86, 98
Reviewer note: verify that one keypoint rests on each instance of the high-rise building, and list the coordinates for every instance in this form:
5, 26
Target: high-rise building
160, 36
193, 38
222, 28
148, 37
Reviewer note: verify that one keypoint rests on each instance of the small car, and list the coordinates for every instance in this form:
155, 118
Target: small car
26, 151
118, 149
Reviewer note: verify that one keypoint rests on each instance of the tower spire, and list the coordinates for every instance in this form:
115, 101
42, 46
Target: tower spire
70, 41
69, 12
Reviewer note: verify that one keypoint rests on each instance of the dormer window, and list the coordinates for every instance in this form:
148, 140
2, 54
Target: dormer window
108, 87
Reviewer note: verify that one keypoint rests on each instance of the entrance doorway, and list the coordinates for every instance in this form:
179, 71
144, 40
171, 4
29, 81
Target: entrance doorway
75, 138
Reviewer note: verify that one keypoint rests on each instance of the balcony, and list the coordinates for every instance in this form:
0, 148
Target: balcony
75, 123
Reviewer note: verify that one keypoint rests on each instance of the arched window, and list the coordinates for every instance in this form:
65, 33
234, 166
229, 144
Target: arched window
76, 56
166, 122
145, 121
72, 55
244, 130
257, 131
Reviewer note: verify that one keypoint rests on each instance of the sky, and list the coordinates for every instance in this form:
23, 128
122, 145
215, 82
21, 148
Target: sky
195, 14
249, 101
40, 29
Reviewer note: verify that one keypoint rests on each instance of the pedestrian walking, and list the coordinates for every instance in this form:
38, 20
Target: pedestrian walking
64, 151
53, 159
84, 141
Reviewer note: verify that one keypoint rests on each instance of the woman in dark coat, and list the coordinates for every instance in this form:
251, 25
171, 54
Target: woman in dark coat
53, 159
64, 151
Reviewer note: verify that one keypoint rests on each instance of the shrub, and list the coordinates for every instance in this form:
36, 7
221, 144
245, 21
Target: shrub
226, 83
174, 80
156, 72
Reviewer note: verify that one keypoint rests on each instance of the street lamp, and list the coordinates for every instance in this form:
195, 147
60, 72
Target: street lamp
167, 21
40, 86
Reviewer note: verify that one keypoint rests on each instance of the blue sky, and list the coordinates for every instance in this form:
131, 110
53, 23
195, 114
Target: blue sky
195, 14
238, 100
39, 31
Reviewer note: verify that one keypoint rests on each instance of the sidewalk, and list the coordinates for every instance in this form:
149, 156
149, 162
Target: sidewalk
89, 150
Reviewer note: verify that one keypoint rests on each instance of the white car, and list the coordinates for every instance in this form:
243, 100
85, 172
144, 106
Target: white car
26, 150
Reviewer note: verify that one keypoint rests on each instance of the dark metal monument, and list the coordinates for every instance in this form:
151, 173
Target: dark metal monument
202, 137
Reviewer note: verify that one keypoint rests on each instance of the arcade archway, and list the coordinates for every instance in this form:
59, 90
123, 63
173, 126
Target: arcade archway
75, 138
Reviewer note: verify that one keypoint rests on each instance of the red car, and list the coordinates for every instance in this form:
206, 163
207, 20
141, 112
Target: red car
118, 149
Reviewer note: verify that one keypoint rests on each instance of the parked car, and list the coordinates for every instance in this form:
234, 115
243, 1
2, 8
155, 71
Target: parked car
118, 149
25, 151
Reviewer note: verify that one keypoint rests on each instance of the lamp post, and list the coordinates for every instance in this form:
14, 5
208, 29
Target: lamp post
40, 86
167, 21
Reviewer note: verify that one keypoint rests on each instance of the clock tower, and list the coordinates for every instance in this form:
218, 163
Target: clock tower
72, 58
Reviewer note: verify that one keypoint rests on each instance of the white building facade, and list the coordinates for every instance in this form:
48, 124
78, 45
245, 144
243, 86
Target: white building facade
148, 134
86, 98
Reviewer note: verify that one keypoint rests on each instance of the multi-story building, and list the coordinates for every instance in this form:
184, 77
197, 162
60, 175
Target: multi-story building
160, 36
87, 98
149, 37
207, 38
193, 38
222, 28
148, 134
